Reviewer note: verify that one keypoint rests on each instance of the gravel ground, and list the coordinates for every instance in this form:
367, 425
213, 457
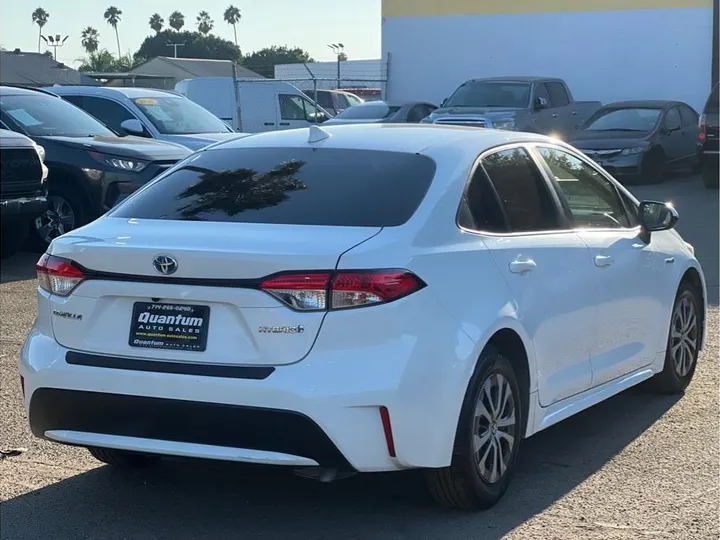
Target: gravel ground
635, 466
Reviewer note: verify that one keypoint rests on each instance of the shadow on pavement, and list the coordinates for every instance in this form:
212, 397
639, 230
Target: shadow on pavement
207, 500
20, 267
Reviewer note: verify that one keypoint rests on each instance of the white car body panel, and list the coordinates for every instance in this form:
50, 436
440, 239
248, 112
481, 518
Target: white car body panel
414, 356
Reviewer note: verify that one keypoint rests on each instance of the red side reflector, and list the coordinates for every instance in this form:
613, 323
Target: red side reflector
387, 428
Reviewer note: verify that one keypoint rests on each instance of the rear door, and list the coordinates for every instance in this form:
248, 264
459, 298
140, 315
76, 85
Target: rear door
547, 267
690, 121
628, 276
232, 242
673, 136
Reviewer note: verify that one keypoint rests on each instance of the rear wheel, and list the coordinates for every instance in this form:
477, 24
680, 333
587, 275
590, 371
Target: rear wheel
683, 344
122, 458
487, 441
66, 211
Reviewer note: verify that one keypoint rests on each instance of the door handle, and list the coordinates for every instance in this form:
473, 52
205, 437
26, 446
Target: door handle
603, 260
269, 124
521, 266
670, 260
284, 123
554, 115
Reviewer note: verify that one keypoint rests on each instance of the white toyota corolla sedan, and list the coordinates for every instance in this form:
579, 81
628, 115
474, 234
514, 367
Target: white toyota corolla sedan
360, 298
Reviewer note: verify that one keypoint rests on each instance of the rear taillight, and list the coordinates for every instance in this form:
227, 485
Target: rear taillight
319, 291
702, 128
57, 275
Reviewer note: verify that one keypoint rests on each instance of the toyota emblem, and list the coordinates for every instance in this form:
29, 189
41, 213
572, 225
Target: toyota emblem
165, 265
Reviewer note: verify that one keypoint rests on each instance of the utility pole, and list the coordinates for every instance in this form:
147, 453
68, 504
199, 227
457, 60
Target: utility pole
339, 50
174, 46
55, 41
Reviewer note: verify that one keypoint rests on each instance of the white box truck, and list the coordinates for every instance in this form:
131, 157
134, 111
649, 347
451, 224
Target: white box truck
253, 106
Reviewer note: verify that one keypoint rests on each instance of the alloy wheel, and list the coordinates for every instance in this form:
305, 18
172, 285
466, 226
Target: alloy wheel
494, 428
58, 219
684, 334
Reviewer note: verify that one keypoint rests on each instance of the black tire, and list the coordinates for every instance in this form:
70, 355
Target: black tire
710, 176
59, 190
462, 485
13, 237
123, 459
674, 379
653, 169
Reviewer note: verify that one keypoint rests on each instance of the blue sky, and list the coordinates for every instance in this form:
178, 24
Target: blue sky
310, 24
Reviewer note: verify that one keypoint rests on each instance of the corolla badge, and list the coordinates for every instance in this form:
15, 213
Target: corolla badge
165, 265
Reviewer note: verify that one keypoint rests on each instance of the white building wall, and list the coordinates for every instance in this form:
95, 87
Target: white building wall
603, 55
353, 73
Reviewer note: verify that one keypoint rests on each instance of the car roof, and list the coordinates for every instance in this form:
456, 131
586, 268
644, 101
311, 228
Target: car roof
522, 78
130, 92
644, 104
407, 138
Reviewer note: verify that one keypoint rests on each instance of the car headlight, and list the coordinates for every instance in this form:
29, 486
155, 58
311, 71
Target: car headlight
508, 125
633, 151
40, 152
127, 165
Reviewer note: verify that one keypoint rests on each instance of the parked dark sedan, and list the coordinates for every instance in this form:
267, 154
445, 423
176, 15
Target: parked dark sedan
381, 111
709, 139
90, 168
641, 140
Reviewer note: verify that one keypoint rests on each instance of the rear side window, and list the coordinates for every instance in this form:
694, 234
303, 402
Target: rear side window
293, 186
558, 94
522, 190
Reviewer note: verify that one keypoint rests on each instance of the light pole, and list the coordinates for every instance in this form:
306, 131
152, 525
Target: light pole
174, 46
55, 41
339, 50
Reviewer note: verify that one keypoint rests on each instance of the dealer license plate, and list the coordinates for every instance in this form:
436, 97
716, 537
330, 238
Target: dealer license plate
169, 326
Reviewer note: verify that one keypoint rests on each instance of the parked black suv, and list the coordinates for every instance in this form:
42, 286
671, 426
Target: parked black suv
90, 168
22, 188
709, 139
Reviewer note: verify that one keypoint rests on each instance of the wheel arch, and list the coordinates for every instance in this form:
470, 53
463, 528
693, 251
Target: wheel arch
693, 277
59, 174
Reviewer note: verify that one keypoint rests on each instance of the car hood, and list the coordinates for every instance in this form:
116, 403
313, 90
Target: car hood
609, 139
196, 141
132, 147
345, 121
480, 111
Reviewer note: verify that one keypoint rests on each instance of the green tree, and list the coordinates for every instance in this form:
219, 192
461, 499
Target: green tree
204, 23
176, 20
113, 16
102, 60
40, 17
196, 46
90, 39
232, 16
156, 22
264, 61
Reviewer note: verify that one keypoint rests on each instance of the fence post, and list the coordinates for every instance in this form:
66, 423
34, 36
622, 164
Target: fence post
386, 92
236, 93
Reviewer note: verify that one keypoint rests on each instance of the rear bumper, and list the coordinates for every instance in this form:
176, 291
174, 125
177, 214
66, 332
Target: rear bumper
22, 208
324, 410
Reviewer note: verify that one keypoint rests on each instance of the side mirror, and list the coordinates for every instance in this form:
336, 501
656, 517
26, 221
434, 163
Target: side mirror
133, 126
657, 216
541, 103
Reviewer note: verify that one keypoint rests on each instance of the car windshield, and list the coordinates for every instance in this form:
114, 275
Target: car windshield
630, 119
368, 111
40, 115
491, 94
292, 186
179, 116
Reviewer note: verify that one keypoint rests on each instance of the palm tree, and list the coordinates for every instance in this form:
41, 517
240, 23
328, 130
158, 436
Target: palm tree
90, 40
156, 23
232, 16
204, 23
113, 16
40, 17
176, 20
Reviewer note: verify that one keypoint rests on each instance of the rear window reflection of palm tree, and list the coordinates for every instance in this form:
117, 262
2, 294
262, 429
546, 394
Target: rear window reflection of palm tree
238, 190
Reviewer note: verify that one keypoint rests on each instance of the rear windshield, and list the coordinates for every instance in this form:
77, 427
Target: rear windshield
293, 186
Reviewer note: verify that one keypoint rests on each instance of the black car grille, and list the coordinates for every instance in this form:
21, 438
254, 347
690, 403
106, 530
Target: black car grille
20, 172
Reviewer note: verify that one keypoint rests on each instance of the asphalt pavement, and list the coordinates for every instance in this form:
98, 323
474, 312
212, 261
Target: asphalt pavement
635, 466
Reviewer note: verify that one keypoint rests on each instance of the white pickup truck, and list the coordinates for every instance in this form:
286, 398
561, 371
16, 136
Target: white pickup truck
532, 104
